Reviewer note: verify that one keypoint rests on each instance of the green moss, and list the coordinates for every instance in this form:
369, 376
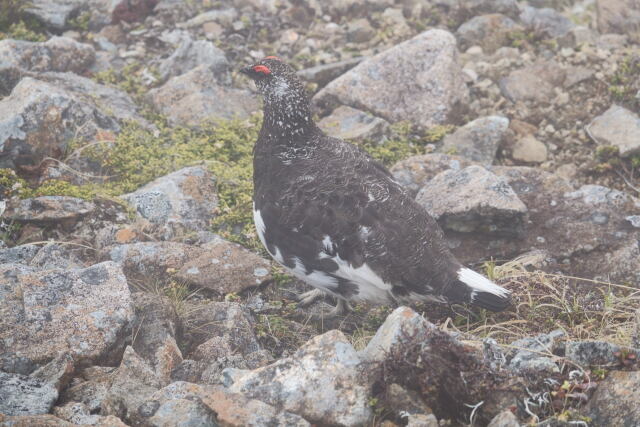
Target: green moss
128, 79
15, 24
81, 22
55, 187
21, 31
11, 185
624, 84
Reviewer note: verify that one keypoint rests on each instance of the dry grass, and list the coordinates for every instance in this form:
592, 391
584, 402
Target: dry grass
584, 309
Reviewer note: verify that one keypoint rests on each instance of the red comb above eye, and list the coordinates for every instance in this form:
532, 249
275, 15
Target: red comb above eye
262, 69
272, 57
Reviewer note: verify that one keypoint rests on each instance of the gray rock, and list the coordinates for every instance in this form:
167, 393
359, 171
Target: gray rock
535, 354
421, 420
487, 31
545, 22
416, 171
155, 329
533, 83
322, 382
131, 385
56, 54
85, 313
528, 149
634, 220
349, 123
34, 394
477, 140
618, 127
405, 402
504, 419
323, 74
190, 54
41, 116
597, 195
592, 353
614, 403
182, 201
36, 420
47, 209
619, 16
473, 199
79, 413
196, 96
360, 31
379, 84
90, 388
231, 409
480, 7
55, 14
224, 17
54, 255
22, 254
221, 266
403, 322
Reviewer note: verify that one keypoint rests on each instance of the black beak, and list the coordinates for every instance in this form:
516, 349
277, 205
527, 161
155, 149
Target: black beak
248, 71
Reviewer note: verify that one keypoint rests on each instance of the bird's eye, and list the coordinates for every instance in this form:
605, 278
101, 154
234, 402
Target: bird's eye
262, 69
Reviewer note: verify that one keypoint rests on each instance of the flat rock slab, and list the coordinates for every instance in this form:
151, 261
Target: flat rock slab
47, 209
195, 96
185, 200
220, 266
380, 85
473, 199
84, 312
477, 140
617, 127
23, 395
322, 382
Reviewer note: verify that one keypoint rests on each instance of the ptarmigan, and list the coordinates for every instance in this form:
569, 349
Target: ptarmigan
335, 218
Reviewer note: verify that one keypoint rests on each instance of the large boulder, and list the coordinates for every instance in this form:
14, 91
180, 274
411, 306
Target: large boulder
56, 54
42, 115
197, 95
419, 80
322, 382
85, 313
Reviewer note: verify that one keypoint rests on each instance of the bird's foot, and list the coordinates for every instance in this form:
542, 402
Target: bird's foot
342, 308
308, 298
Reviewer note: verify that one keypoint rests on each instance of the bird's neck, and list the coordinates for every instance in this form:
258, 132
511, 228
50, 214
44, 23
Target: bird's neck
287, 117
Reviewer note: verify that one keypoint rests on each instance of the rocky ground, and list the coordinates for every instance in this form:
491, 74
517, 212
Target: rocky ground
133, 288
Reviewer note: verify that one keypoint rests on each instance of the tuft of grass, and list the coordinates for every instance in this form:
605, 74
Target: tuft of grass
585, 309
624, 84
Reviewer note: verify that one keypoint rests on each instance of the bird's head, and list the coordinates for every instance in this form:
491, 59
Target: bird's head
275, 79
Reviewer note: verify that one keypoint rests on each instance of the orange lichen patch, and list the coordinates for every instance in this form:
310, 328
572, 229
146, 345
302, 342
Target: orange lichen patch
126, 235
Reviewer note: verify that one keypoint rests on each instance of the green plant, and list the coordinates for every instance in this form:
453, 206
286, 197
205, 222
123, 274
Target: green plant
16, 24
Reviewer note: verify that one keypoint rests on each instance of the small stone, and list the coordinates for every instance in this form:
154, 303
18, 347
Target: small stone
634, 220
529, 149
192, 53
349, 123
414, 172
534, 83
592, 353
539, 359
504, 419
477, 140
617, 127
488, 31
473, 199
545, 22
360, 31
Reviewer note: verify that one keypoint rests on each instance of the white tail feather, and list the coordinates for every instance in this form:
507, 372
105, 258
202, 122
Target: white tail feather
478, 283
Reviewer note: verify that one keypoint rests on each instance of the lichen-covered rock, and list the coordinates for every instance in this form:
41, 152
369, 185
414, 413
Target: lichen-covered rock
487, 31
78, 413
22, 254
34, 394
198, 403
415, 171
379, 84
219, 265
545, 22
619, 16
47, 209
197, 95
42, 115
225, 267
34, 420
617, 127
155, 337
592, 353
473, 199
615, 402
56, 54
184, 200
55, 13
535, 354
90, 388
349, 123
85, 313
322, 382
477, 140
192, 53
131, 385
